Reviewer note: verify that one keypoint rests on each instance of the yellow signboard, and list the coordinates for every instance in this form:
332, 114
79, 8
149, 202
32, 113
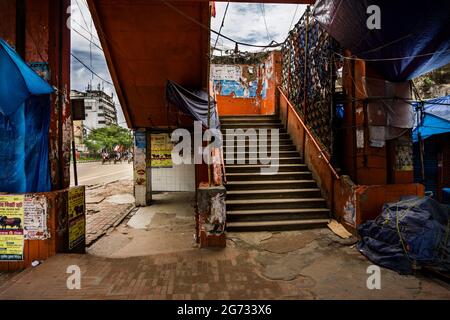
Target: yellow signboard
77, 220
161, 147
11, 228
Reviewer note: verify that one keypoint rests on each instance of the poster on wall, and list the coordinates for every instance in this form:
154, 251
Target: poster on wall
77, 220
11, 228
35, 218
161, 147
140, 165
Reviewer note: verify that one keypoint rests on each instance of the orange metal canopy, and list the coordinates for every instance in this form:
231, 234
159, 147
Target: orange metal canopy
146, 43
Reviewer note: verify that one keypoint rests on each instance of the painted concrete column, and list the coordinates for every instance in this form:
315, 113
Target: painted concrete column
141, 191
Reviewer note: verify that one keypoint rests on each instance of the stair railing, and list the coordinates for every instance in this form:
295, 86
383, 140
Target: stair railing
334, 175
311, 136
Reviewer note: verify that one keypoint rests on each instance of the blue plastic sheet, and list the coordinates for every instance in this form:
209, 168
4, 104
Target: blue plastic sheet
434, 119
24, 126
414, 37
411, 233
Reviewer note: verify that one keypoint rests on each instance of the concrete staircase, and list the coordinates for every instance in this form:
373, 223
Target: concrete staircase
287, 200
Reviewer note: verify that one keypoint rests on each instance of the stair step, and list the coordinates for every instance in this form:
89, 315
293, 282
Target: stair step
287, 203
265, 142
278, 176
269, 184
229, 135
286, 200
277, 225
277, 215
253, 124
281, 153
273, 194
254, 119
250, 168
269, 148
287, 160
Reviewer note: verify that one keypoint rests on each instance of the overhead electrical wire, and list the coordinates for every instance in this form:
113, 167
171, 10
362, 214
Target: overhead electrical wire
89, 32
263, 11
82, 14
87, 39
215, 32
222, 25
92, 71
293, 18
392, 59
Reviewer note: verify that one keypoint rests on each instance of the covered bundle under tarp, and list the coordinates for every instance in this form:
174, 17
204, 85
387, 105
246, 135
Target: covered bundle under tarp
24, 126
413, 36
408, 234
433, 119
193, 103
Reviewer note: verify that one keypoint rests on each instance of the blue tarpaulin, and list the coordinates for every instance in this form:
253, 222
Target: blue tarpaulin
24, 125
434, 119
413, 38
408, 234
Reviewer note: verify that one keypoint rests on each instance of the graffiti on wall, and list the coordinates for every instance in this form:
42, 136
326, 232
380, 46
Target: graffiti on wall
238, 81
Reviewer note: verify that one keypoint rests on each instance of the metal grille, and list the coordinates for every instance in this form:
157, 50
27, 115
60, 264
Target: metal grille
309, 76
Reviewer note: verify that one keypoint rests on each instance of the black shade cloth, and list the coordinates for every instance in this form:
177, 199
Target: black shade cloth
193, 103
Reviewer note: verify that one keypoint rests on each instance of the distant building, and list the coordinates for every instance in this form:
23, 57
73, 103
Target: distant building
101, 110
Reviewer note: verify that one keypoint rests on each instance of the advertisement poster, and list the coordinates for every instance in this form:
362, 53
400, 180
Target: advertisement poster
11, 228
77, 220
161, 146
35, 218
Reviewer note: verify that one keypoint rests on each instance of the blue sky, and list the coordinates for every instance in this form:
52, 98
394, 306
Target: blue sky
244, 22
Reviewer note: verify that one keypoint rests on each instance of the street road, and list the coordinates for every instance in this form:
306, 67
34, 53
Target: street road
96, 173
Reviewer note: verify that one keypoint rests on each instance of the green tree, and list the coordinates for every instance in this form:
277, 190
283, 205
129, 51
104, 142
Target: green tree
109, 137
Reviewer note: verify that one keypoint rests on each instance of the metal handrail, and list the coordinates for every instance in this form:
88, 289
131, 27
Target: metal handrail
316, 144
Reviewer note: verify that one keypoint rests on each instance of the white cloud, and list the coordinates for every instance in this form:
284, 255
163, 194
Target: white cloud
244, 22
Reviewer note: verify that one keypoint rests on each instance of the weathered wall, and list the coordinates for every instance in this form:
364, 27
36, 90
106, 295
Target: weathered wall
42, 38
247, 89
364, 163
351, 204
58, 228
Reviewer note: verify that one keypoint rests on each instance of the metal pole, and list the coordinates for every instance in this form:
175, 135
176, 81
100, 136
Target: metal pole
74, 152
421, 145
209, 112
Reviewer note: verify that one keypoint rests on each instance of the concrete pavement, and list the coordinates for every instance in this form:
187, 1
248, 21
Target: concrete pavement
96, 173
162, 262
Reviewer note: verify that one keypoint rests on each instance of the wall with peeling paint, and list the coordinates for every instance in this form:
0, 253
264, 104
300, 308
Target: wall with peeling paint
247, 89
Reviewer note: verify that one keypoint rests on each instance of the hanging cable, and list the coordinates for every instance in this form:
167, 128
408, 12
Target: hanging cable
87, 39
174, 8
82, 14
263, 11
392, 59
84, 29
293, 18
92, 71
222, 25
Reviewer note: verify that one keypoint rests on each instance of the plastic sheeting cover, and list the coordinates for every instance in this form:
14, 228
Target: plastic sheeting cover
24, 126
435, 118
194, 103
417, 30
22, 81
410, 233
